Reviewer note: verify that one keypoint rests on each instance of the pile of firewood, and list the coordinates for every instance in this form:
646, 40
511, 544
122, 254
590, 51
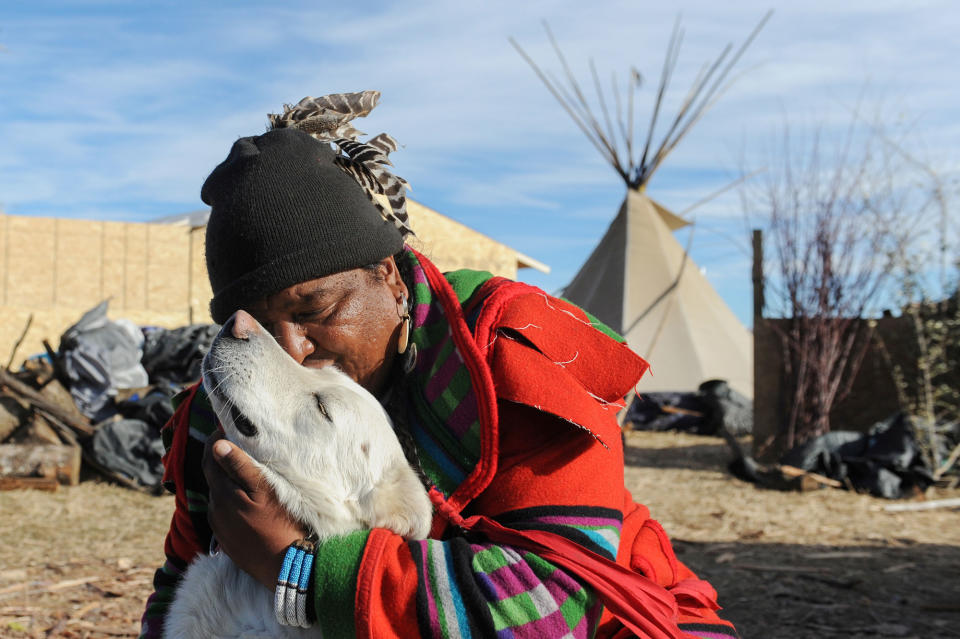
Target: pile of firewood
42, 433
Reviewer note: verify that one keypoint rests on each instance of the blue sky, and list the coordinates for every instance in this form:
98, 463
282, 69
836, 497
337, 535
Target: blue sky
118, 110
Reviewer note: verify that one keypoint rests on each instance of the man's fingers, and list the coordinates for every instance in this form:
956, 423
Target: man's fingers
236, 464
208, 447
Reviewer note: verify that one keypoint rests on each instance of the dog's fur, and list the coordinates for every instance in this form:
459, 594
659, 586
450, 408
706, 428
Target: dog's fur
325, 446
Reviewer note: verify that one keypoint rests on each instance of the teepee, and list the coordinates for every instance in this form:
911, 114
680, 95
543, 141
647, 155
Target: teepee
639, 280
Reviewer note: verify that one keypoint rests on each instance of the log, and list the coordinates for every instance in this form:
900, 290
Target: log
790, 478
793, 471
66, 433
48, 484
676, 410
61, 463
35, 372
56, 394
948, 464
36, 587
35, 398
12, 414
38, 431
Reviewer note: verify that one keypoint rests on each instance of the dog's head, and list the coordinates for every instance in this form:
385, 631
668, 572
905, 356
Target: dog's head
324, 443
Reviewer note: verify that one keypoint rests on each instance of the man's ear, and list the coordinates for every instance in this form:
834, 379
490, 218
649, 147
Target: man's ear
391, 276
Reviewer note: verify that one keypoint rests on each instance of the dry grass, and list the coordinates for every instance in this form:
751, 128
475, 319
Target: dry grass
94, 519
817, 565
683, 480
78, 563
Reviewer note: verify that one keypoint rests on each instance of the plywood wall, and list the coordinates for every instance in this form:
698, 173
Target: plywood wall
452, 246
155, 274
55, 269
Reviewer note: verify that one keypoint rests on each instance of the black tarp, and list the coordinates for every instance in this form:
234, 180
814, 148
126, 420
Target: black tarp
173, 356
98, 357
704, 412
885, 461
130, 447
154, 407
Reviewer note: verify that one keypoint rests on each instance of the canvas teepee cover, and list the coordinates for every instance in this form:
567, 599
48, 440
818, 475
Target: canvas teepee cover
635, 282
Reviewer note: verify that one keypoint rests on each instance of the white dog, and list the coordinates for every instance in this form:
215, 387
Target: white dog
326, 447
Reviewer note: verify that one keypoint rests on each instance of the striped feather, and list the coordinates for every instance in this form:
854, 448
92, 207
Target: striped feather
376, 179
327, 118
356, 105
384, 142
326, 113
363, 153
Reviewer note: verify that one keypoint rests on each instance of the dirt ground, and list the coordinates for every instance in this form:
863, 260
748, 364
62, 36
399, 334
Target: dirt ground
79, 562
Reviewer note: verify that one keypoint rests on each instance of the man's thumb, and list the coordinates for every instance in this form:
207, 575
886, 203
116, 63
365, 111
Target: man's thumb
221, 449
233, 462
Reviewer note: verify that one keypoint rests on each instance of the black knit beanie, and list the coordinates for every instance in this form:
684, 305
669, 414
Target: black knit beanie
281, 213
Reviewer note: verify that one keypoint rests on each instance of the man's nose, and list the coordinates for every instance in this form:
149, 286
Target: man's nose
293, 340
241, 325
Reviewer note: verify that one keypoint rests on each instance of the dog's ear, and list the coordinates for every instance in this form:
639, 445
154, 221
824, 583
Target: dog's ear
400, 503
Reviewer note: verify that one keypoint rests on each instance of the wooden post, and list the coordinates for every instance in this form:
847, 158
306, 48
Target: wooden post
765, 380
757, 323
757, 276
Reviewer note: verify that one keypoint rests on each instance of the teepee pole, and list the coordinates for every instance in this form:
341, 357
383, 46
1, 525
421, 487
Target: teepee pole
669, 62
710, 83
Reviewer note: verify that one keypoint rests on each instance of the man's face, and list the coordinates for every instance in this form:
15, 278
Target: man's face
350, 319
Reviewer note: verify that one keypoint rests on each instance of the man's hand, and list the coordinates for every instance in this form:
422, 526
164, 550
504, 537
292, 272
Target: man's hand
251, 526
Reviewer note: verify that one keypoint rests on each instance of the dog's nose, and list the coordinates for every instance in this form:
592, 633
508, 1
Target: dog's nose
241, 325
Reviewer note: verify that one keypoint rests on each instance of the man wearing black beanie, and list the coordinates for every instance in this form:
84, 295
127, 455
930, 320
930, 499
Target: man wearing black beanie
282, 212
503, 399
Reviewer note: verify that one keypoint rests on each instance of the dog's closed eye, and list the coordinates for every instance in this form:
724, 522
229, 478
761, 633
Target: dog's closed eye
323, 409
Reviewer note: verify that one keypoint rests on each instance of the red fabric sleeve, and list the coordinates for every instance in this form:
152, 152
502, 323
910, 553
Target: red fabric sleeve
386, 597
182, 543
645, 547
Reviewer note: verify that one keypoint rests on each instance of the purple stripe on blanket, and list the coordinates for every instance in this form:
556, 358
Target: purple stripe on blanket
420, 314
514, 579
441, 379
419, 275
427, 314
428, 356
464, 416
553, 625
561, 585
601, 522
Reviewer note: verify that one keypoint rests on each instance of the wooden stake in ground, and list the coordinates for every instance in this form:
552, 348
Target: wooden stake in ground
16, 345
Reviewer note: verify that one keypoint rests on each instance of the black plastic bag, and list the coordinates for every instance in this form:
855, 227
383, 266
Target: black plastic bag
131, 448
885, 461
